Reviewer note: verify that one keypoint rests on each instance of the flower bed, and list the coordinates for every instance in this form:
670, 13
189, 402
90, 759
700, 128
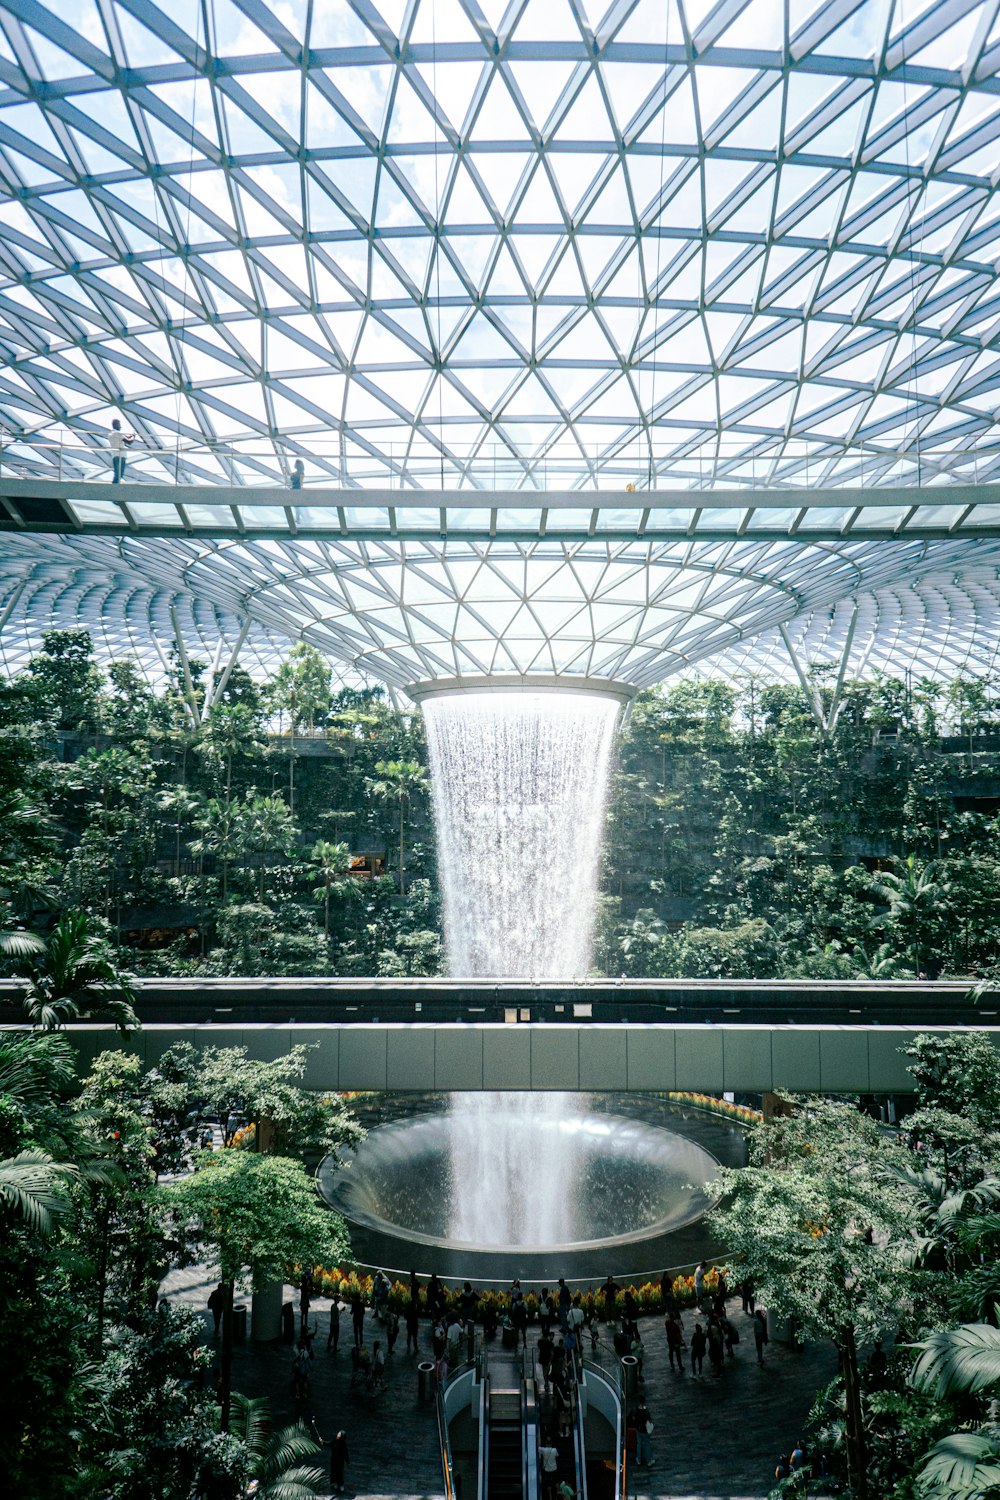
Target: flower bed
740, 1113
349, 1286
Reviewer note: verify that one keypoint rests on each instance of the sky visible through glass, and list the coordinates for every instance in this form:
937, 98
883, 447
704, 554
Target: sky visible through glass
530, 247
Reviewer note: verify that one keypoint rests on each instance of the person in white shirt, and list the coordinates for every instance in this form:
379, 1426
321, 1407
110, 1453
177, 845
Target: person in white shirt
118, 441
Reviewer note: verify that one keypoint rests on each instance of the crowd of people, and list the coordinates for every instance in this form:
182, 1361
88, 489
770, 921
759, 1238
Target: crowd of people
695, 1336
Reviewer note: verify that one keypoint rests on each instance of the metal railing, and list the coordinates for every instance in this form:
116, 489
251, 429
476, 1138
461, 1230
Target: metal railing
240, 463
444, 1443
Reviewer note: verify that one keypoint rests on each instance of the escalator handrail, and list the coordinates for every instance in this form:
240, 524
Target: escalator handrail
447, 1466
529, 1431
579, 1443
483, 1467
613, 1379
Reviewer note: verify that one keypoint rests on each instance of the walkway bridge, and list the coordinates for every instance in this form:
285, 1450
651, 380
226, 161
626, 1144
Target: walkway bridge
453, 1035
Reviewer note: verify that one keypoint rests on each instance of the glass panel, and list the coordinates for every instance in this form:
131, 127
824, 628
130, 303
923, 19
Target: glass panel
768, 519
880, 517
370, 518
151, 514
520, 521
209, 515
271, 516
822, 518
984, 515
104, 512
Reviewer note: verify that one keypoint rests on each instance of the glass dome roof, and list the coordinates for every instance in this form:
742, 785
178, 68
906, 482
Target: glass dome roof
542, 250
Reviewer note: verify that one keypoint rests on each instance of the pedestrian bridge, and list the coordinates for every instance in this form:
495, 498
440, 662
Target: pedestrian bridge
455, 1035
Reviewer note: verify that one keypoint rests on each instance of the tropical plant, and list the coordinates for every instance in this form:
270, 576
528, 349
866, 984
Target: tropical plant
278, 1462
77, 976
33, 1186
397, 781
961, 1362
332, 862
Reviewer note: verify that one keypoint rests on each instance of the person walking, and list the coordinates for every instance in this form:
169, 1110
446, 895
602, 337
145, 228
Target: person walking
643, 1437
675, 1341
306, 1288
358, 1319
118, 442
333, 1337
716, 1346
411, 1317
699, 1285
698, 1344
216, 1303
300, 1370
760, 1332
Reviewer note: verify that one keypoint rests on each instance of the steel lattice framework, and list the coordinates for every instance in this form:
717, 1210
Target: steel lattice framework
439, 249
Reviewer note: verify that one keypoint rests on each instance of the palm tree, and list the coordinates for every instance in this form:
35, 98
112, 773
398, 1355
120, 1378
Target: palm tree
269, 828
219, 827
76, 976
962, 1361
278, 1460
917, 896
332, 861
183, 807
398, 780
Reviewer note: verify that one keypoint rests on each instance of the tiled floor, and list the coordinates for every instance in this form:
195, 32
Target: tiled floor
716, 1438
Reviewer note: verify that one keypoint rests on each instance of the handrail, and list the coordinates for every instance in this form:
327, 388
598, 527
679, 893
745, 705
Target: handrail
483, 1466
444, 1442
580, 1448
529, 1430
612, 1378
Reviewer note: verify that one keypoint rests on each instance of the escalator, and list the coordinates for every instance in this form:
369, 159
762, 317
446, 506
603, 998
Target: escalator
505, 1469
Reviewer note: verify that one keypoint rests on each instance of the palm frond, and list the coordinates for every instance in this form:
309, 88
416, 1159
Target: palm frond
963, 1466
20, 945
958, 1361
290, 1446
31, 1182
297, 1484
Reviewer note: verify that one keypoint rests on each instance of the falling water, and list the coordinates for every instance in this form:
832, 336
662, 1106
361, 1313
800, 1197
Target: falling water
520, 786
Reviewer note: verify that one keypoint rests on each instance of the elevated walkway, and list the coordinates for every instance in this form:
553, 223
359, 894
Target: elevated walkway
456, 1035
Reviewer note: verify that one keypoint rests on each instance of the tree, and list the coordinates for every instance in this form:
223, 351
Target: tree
271, 1097
819, 1225
398, 780
182, 807
260, 1214
220, 834
65, 678
332, 862
77, 976
268, 828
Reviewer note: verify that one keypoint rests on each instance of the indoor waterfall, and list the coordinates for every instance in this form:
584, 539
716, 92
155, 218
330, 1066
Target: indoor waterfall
519, 784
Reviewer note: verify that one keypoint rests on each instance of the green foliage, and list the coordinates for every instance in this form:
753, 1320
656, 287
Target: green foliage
76, 975
259, 1214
